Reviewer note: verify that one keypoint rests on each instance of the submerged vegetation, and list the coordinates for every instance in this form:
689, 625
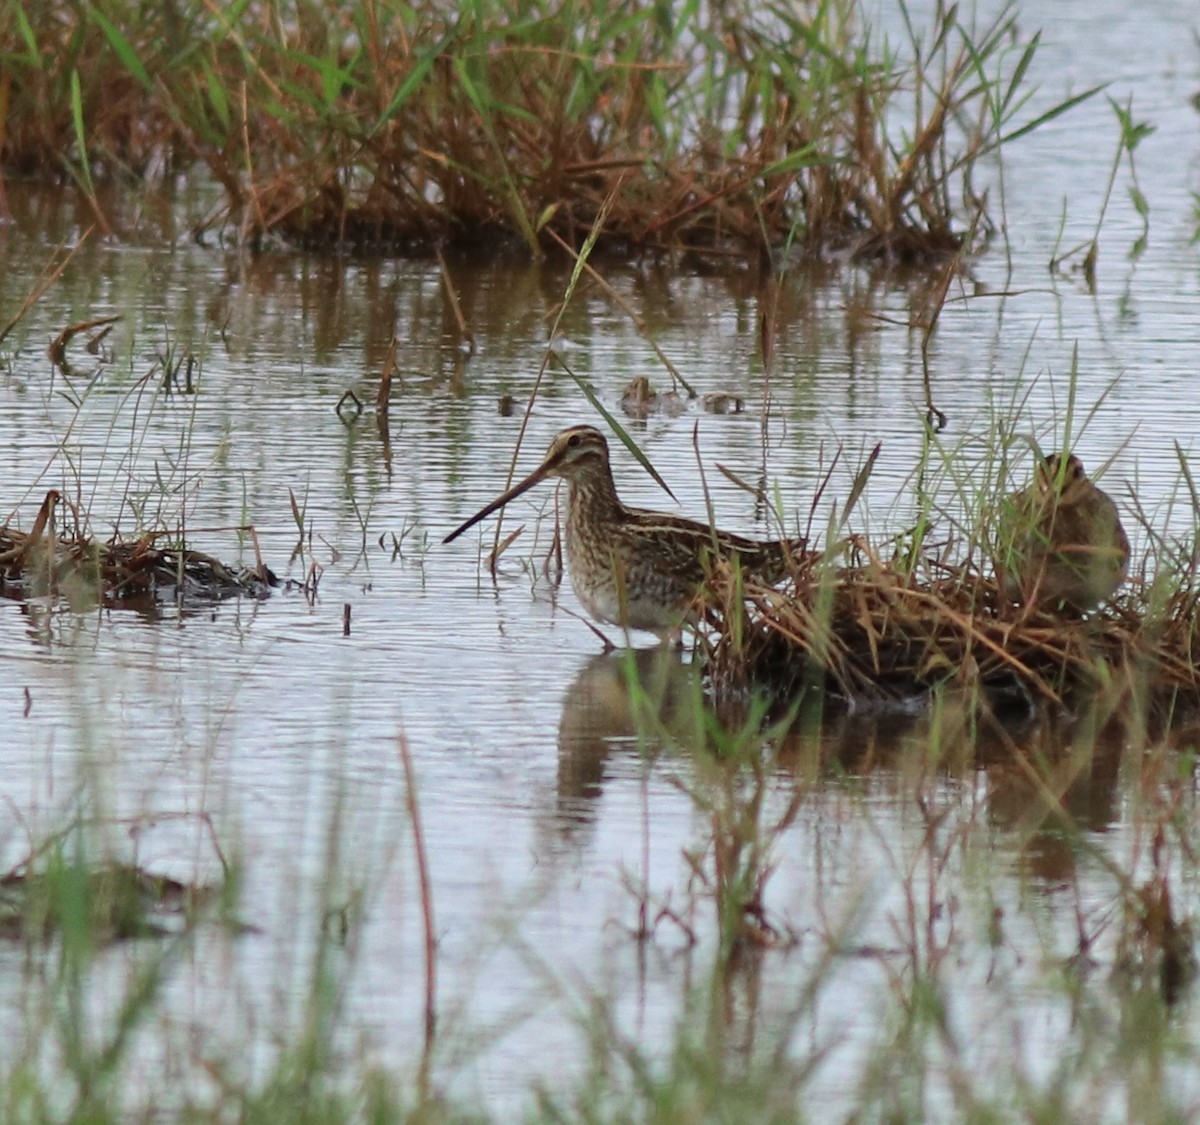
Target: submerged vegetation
718, 129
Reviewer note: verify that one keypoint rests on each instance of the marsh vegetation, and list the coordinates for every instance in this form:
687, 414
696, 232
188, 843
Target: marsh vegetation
711, 131
395, 843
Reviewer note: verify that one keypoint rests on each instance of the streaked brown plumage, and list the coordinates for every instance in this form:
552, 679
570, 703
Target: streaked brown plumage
1063, 544
629, 566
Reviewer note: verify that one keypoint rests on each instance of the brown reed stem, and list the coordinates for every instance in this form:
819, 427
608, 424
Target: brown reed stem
51, 272
414, 813
629, 311
455, 308
383, 396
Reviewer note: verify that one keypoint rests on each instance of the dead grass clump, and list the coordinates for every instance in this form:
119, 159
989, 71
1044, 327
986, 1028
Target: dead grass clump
118, 572
876, 633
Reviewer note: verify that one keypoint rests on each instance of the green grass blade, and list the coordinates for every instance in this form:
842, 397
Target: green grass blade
81, 133
1019, 73
1049, 115
484, 108
807, 157
416, 76
860, 484
581, 259
616, 427
34, 58
121, 46
218, 97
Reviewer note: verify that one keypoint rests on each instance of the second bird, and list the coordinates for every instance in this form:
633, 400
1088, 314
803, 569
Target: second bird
632, 567
1062, 539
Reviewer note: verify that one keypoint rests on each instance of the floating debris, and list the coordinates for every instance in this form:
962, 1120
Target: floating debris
722, 402
58, 347
640, 400
45, 561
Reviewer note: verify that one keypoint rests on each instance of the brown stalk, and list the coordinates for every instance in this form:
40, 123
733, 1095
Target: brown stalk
628, 309
455, 308
51, 272
23, 546
383, 396
414, 814
58, 347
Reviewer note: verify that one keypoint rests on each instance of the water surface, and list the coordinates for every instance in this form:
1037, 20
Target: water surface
544, 803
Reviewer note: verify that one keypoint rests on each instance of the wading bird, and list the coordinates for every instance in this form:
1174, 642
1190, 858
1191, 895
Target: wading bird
631, 567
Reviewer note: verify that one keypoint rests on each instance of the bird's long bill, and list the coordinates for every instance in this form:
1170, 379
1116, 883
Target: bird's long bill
536, 477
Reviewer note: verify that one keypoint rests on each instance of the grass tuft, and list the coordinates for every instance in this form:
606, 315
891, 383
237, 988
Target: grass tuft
717, 130
931, 612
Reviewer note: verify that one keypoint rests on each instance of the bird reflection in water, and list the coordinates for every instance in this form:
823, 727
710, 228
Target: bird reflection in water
1045, 777
628, 701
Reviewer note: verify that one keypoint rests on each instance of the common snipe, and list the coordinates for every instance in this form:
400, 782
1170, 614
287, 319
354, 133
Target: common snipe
1062, 542
632, 567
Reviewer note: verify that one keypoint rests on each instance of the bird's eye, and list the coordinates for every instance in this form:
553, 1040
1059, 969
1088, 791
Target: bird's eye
573, 441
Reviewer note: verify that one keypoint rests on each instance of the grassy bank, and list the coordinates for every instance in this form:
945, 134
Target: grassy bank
723, 130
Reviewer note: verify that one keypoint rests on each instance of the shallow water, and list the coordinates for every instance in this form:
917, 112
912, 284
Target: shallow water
541, 800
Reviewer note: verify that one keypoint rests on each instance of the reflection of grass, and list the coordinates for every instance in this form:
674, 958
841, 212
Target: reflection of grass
924, 970
904, 914
729, 128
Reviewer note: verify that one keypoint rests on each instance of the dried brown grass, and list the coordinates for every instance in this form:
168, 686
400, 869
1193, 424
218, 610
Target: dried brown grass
118, 572
875, 632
